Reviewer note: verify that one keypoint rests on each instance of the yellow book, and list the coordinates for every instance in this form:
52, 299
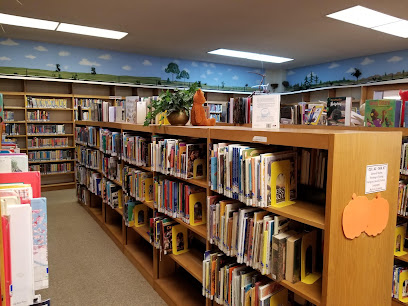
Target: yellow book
179, 239
403, 287
140, 215
197, 208
120, 199
148, 192
264, 252
280, 183
199, 169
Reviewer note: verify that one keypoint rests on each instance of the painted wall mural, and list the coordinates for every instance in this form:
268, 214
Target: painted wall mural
359, 70
24, 57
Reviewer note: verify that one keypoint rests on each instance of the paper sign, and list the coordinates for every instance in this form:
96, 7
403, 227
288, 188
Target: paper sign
376, 178
260, 139
266, 111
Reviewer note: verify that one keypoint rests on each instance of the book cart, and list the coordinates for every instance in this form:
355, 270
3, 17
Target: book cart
351, 272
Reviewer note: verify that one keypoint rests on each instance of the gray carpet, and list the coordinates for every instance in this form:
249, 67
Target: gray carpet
85, 266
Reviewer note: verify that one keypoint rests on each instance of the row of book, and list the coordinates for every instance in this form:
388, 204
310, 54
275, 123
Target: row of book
135, 214
239, 110
178, 158
85, 103
8, 115
399, 282
33, 102
87, 135
402, 198
33, 129
111, 168
110, 142
257, 176
49, 155
136, 149
229, 283
89, 157
38, 115
48, 142
13, 129
180, 200
215, 108
52, 168
111, 193
138, 184
269, 243
313, 170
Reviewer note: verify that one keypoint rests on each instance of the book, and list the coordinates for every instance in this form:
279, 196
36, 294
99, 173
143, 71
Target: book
131, 109
19, 162
339, 111
312, 115
140, 215
382, 113
266, 111
293, 254
141, 111
197, 211
180, 239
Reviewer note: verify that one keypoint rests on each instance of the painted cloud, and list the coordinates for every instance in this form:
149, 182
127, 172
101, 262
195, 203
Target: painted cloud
86, 62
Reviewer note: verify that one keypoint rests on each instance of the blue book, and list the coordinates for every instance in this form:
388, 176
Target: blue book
214, 173
40, 243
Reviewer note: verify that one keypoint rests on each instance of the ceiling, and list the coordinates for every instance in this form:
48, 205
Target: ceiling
188, 29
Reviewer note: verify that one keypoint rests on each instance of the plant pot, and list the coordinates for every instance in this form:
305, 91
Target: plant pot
178, 118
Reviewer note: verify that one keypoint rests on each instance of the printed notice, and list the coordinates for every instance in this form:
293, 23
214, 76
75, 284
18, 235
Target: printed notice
266, 111
376, 178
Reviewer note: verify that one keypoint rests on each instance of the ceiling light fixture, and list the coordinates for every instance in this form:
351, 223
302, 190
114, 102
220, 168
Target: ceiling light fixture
83, 30
399, 28
363, 17
251, 56
27, 22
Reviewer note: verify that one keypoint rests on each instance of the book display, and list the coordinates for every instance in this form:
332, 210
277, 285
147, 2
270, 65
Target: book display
261, 242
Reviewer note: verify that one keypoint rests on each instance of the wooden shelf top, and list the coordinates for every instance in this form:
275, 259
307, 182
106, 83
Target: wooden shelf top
49, 95
13, 136
14, 122
312, 293
50, 108
119, 211
403, 257
149, 204
141, 258
58, 184
176, 290
78, 96
304, 212
56, 122
192, 261
12, 93
143, 231
13, 107
396, 302
200, 230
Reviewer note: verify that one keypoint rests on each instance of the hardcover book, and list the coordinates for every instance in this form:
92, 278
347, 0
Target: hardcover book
339, 111
382, 113
180, 239
131, 109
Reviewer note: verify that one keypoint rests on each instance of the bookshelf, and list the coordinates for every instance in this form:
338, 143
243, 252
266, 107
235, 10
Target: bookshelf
349, 154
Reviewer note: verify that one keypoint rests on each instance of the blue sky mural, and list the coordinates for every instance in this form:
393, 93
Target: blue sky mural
38, 55
379, 64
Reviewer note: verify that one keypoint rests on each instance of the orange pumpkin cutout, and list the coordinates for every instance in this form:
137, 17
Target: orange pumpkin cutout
378, 215
355, 216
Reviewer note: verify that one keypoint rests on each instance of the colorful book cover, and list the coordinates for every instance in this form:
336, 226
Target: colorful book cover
180, 239
131, 109
280, 183
382, 113
19, 162
197, 210
339, 111
140, 215
40, 244
313, 115
195, 167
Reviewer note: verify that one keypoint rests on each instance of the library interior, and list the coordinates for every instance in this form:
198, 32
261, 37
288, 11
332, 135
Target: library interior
155, 153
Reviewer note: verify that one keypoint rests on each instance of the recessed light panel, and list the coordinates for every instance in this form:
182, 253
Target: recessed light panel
251, 56
363, 17
399, 28
83, 30
27, 22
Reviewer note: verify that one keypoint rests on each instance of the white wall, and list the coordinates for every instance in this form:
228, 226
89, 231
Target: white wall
276, 76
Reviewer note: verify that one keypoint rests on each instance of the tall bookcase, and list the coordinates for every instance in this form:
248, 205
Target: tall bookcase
348, 265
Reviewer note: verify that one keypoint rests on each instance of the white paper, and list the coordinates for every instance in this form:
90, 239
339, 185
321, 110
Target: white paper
5, 165
266, 111
376, 178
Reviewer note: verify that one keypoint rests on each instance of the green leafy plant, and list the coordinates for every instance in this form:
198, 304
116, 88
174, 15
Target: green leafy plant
171, 101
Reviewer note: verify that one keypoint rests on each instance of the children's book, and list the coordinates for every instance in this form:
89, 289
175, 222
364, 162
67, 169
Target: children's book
382, 113
197, 210
195, 161
131, 109
180, 239
312, 115
19, 162
339, 111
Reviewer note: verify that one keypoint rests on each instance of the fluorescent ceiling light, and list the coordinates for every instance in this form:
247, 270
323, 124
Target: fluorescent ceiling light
28, 22
77, 29
363, 17
251, 56
399, 28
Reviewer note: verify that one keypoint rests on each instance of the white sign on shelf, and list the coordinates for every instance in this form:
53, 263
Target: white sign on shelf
376, 178
266, 111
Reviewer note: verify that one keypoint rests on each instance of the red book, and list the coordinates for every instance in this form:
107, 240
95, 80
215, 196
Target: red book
32, 177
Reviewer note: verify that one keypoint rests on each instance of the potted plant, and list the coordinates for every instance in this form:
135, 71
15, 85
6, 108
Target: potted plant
176, 104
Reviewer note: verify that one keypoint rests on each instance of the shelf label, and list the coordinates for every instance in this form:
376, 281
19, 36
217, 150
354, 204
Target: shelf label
376, 178
115, 97
260, 139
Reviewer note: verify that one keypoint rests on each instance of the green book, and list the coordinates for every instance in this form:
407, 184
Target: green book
382, 113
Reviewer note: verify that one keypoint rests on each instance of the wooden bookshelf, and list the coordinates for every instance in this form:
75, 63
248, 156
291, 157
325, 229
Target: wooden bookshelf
349, 152
143, 231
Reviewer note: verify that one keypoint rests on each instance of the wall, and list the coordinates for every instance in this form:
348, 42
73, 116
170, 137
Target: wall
373, 68
276, 77
24, 57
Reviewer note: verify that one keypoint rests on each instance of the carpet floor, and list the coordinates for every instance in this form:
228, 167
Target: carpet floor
85, 266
